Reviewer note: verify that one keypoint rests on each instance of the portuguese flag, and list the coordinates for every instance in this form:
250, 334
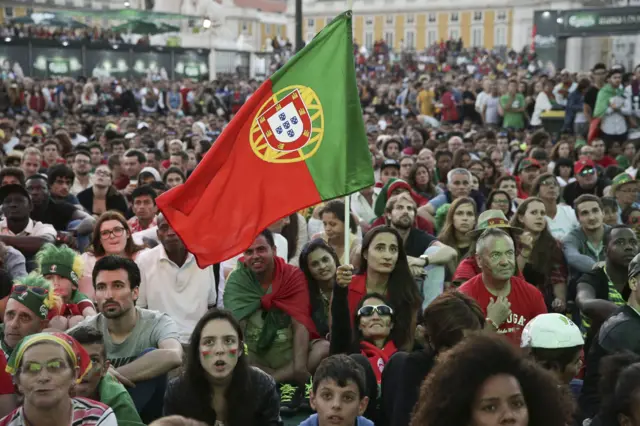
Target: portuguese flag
298, 140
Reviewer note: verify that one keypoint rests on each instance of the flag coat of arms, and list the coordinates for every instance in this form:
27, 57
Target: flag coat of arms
298, 140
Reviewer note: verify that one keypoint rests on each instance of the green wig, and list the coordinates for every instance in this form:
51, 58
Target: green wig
62, 261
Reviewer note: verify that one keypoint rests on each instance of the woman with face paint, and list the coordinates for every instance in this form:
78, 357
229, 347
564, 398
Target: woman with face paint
46, 367
218, 385
540, 257
384, 269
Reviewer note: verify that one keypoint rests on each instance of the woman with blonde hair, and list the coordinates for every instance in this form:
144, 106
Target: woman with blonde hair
111, 236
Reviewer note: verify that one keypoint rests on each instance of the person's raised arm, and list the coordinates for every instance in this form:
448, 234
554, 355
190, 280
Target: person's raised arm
340, 342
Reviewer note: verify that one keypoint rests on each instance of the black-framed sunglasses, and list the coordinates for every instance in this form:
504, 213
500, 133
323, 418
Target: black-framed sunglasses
382, 310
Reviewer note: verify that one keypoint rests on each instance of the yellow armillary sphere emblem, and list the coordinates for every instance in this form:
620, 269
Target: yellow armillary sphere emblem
289, 126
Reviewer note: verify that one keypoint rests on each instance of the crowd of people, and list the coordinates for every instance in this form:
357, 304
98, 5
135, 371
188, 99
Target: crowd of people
492, 277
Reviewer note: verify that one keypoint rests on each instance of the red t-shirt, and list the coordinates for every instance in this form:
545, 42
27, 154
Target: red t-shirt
6, 382
357, 290
526, 303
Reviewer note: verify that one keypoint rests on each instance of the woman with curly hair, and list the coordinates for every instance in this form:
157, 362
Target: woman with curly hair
486, 381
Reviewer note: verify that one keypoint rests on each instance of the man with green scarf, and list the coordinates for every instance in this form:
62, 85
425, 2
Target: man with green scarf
612, 108
26, 311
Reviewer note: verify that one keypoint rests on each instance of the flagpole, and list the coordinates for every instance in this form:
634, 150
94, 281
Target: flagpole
347, 233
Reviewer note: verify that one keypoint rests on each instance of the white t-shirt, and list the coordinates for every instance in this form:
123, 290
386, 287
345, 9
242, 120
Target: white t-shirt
563, 223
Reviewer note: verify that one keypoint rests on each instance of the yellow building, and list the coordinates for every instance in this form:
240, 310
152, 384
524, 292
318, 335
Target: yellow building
488, 28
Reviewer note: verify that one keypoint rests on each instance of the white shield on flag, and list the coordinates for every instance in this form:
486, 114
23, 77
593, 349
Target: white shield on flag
286, 124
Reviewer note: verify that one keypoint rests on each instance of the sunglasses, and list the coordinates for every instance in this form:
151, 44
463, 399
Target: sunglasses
587, 172
21, 288
382, 310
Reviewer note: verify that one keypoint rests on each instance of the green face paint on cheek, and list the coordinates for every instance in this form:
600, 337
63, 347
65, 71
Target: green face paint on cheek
207, 354
233, 353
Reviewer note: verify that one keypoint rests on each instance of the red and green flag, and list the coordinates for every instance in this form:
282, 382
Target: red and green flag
298, 140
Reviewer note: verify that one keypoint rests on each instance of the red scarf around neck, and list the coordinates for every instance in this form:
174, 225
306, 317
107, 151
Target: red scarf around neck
378, 357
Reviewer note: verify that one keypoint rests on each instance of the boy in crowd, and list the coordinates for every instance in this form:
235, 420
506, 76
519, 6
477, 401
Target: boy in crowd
556, 342
97, 384
338, 394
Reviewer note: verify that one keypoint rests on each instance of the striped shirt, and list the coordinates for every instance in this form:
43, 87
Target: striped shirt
85, 412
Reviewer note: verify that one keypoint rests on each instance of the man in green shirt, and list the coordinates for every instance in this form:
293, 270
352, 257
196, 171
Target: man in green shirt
512, 106
98, 384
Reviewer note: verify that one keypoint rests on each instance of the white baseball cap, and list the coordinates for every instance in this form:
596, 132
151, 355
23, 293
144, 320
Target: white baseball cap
551, 331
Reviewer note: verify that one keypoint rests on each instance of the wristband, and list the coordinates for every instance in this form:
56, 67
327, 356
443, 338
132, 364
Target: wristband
492, 323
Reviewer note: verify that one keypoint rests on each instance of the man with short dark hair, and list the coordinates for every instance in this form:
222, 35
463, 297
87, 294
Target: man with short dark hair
180, 160
154, 158
143, 205
62, 215
260, 279
528, 171
17, 229
173, 283
12, 175
60, 179
618, 334
605, 288
118, 147
51, 153
82, 170
97, 155
98, 384
130, 332
134, 162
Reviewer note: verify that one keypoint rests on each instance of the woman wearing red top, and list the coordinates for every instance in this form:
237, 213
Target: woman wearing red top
35, 100
544, 265
384, 269
449, 107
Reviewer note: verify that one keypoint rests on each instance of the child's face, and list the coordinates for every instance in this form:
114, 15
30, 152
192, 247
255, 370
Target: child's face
99, 366
62, 286
610, 216
336, 405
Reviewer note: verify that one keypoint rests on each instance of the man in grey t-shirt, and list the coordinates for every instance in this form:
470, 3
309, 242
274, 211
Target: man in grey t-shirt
142, 345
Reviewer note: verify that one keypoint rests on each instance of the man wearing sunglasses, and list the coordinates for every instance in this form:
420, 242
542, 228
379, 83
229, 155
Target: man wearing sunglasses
587, 181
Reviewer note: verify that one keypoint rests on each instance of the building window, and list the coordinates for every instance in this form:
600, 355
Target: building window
389, 19
477, 16
411, 18
267, 29
311, 22
501, 36
69, 3
409, 40
8, 12
432, 37
454, 17
432, 17
388, 38
477, 39
368, 21
454, 33
29, 11
501, 16
368, 40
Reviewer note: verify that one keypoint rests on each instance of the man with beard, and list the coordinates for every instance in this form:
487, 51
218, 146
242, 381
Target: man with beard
271, 299
509, 302
173, 283
604, 289
82, 171
142, 345
424, 252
